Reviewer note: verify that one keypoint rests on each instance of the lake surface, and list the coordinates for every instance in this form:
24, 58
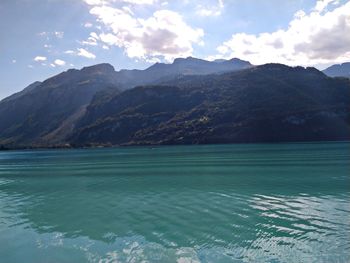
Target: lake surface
216, 203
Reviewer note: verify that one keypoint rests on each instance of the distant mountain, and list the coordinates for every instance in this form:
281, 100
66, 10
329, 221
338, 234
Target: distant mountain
268, 103
190, 101
338, 70
181, 66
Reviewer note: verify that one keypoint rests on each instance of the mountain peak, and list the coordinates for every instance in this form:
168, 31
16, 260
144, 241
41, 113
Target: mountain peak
102, 68
237, 60
281, 69
188, 59
338, 70
219, 60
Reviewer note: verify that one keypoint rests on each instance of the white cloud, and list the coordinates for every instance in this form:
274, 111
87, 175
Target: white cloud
204, 11
48, 35
92, 40
14, 61
94, 35
164, 34
320, 37
213, 10
134, 2
81, 52
59, 62
140, 2
88, 25
84, 53
110, 39
40, 58
89, 42
322, 5
94, 2
59, 34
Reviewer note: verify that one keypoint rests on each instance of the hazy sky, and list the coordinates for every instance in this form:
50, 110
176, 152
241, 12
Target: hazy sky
40, 38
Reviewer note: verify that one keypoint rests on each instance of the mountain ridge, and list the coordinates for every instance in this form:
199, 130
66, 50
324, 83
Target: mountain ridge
228, 108
338, 70
199, 102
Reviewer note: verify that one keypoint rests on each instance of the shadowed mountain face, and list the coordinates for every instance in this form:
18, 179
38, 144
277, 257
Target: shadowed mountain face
268, 103
47, 111
23, 92
182, 103
339, 70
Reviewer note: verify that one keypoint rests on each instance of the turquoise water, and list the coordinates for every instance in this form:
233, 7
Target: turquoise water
217, 203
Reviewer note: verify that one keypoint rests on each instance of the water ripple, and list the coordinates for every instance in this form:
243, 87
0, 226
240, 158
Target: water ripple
238, 203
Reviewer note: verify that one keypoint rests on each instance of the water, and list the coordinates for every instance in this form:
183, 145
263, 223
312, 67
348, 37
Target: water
217, 203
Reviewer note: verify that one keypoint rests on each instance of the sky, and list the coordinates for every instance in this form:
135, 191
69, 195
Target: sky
41, 38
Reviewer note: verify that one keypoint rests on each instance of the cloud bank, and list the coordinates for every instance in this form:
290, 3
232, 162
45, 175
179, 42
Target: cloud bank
163, 35
320, 37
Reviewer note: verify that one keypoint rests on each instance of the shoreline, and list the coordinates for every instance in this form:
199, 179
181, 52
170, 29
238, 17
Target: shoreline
69, 147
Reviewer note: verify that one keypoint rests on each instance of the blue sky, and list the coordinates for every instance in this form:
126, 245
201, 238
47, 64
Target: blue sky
40, 38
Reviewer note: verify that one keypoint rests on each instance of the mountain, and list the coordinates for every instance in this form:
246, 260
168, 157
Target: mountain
46, 111
190, 101
338, 70
23, 92
181, 66
268, 103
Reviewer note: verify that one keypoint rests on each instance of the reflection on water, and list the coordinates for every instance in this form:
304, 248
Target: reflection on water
232, 203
